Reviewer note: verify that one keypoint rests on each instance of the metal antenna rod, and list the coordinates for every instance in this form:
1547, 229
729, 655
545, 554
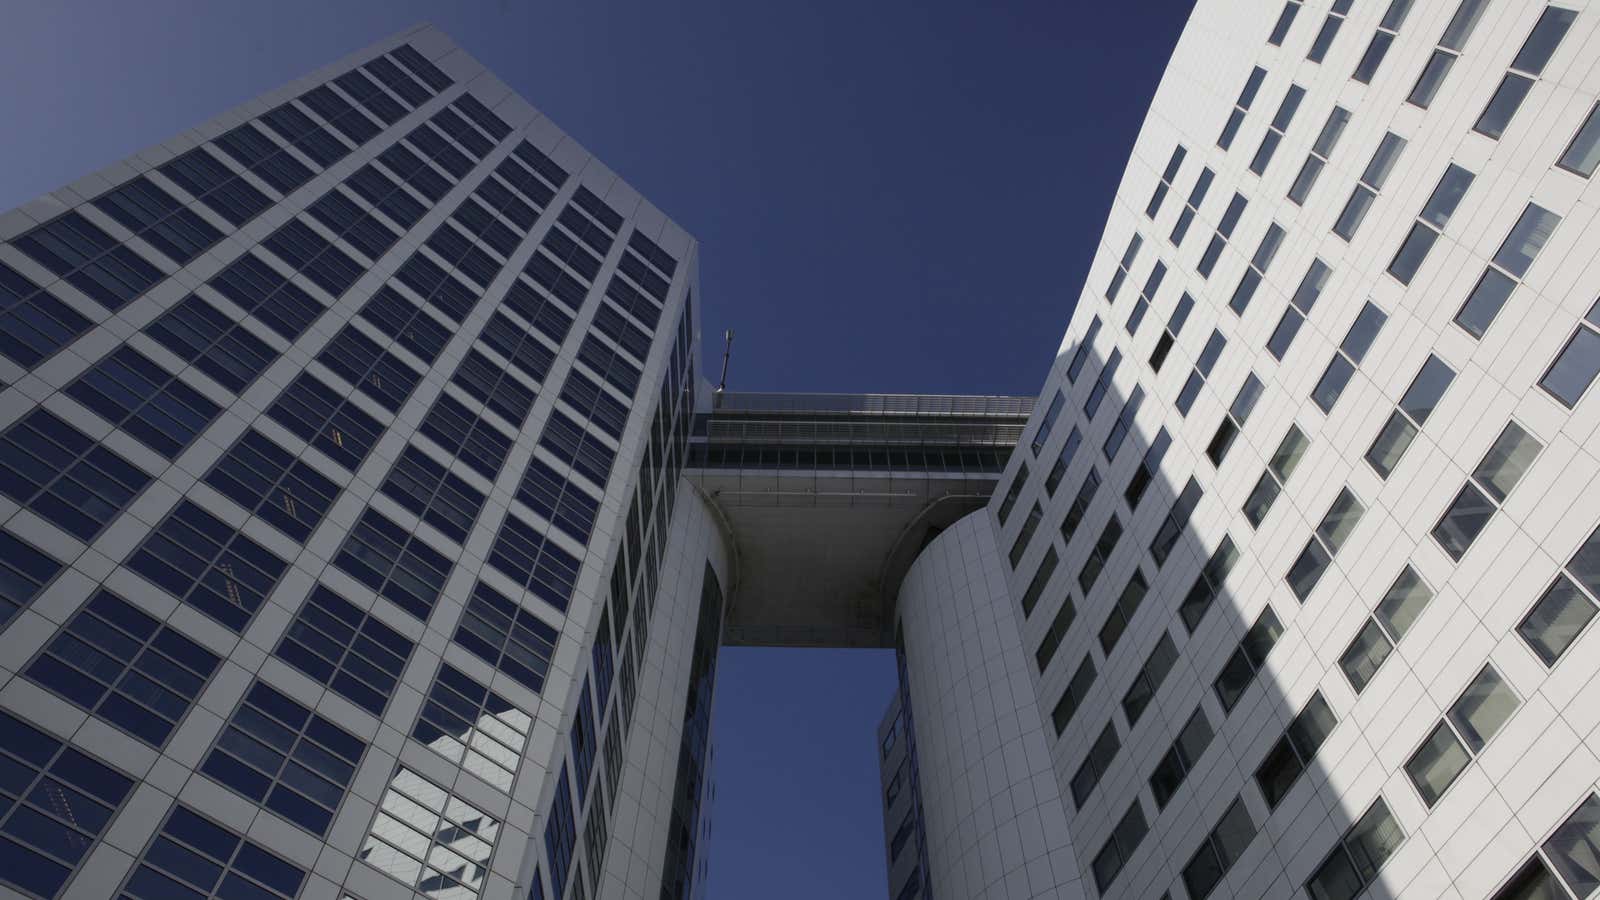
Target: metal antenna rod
727, 350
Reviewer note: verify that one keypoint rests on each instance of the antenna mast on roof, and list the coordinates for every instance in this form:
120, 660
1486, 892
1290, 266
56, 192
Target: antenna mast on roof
727, 350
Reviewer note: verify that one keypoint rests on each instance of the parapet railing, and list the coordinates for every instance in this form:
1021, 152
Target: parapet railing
807, 432
874, 404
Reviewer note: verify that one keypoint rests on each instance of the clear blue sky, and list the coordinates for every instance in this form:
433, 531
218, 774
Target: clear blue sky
890, 195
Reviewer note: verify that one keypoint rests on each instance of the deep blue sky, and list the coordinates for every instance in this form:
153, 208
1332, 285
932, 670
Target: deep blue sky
890, 196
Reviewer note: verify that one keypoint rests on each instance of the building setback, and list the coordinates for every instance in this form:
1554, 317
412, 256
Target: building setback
366, 530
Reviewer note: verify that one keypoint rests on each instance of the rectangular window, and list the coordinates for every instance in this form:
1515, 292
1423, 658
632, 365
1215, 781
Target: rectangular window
1077, 688
1042, 433
270, 482
1285, 459
1531, 232
24, 572
1294, 752
1122, 611
1355, 860
325, 420
1241, 106
396, 564
1014, 490
1145, 474
1069, 449
427, 837
469, 437
1468, 725
1119, 847
1230, 219
34, 324
1102, 384
65, 799
1336, 377
197, 558
1578, 363
1101, 753
1366, 190
1499, 471
1280, 28
134, 394
1561, 614
507, 636
1191, 208
1029, 525
1321, 150
193, 856
1582, 155
65, 476
123, 665
534, 561
1425, 392
1080, 506
1220, 849
1526, 68
1123, 266
1123, 425
1208, 584
90, 260
286, 758
260, 290
1329, 30
1041, 577
1233, 422
1065, 616
346, 648
1251, 280
1085, 346
1149, 678
432, 493
210, 181
1167, 176
1100, 554
1248, 659
1181, 758
1172, 527
1275, 130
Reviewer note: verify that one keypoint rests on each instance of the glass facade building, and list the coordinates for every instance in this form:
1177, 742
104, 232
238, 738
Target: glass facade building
367, 531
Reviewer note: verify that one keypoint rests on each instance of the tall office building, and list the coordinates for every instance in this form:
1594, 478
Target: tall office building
365, 529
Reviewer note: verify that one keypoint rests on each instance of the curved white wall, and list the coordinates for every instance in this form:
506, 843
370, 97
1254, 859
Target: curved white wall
643, 812
995, 818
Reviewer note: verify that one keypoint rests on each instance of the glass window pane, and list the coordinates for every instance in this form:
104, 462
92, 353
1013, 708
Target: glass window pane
1485, 301
1543, 40
1390, 444
1341, 519
1584, 152
1575, 848
1556, 620
1585, 564
1532, 882
1403, 602
1503, 105
1355, 209
1304, 181
1233, 833
1331, 131
1526, 239
1446, 196
1332, 383
1413, 250
1383, 160
1363, 331
1261, 498
1289, 453
1484, 706
1503, 466
1462, 23
1373, 839
1437, 763
1364, 655
1307, 569
1427, 86
1335, 879
1462, 522
1575, 369
1427, 389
